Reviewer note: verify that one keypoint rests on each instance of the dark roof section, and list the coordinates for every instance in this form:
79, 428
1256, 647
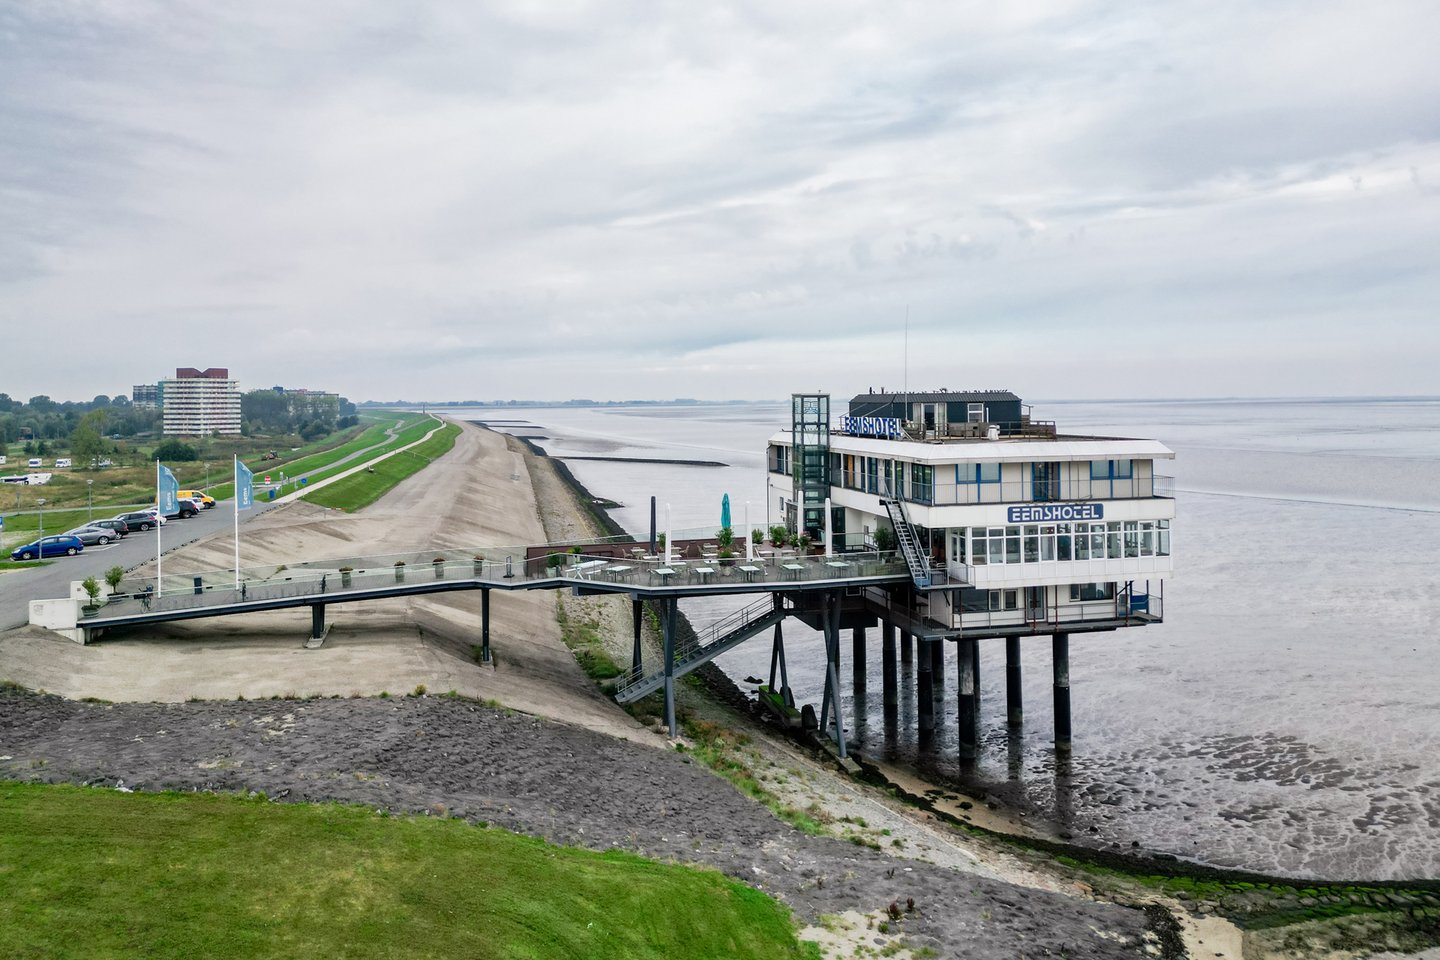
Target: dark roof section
940, 396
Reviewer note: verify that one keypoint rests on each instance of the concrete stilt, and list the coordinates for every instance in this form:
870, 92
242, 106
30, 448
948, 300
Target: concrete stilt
637, 619
857, 657
907, 651
965, 701
891, 696
484, 626
975, 656
1060, 646
1014, 692
317, 621
668, 615
937, 666
925, 693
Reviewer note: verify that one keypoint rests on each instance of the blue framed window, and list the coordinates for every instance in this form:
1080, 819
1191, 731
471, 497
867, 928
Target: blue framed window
1112, 469
977, 473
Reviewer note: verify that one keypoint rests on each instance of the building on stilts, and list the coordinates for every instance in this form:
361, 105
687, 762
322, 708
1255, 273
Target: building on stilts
1010, 530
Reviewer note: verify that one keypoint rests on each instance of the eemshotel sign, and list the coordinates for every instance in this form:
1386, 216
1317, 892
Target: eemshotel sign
1056, 512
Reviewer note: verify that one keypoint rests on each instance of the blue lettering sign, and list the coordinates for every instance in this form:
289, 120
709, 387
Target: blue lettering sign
1056, 512
871, 426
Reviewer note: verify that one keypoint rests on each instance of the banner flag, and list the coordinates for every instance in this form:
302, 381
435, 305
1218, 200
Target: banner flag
244, 486
168, 495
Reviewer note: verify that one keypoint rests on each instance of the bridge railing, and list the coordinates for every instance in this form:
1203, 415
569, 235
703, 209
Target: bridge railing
318, 578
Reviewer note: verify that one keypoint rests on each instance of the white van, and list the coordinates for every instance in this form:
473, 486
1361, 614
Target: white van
35, 462
63, 462
4, 460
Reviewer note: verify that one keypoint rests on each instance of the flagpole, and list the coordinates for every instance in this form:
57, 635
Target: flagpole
235, 473
159, 580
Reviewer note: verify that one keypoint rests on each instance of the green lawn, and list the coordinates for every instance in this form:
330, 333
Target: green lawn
364, 488
91, 873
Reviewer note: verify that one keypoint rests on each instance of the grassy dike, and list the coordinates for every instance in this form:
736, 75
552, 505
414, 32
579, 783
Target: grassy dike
1281, 916
364, 488
91, 873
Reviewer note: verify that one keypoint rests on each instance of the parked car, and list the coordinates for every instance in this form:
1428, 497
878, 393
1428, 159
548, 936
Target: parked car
199, 496
94, 536
184, 510
142, 520
63, 545
120, 527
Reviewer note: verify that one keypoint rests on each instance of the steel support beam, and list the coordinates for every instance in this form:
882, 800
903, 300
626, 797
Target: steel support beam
484, 626
891, 696
317, 621
857, 656
637, 619
925, 692
668, 615
1060, 657
937, 666
907, 649
965, 700
1014, 691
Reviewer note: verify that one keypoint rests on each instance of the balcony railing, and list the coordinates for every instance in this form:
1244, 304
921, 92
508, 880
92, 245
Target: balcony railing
1011, 491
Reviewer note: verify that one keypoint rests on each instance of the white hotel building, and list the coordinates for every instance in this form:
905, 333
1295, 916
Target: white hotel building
1010, 528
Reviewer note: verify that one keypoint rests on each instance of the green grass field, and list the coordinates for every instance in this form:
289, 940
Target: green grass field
96, 873
364, 488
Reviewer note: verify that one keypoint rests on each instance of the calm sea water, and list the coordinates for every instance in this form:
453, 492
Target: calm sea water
1284, 718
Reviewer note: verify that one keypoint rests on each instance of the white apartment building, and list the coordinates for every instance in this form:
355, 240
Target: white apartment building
201, 403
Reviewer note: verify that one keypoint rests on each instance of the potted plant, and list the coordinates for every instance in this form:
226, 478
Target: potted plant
92, 590
113, 576
802, 542
660, 543
399, 571
757, 536
884, 539
779, 535
345, 575
725, 538
439, 564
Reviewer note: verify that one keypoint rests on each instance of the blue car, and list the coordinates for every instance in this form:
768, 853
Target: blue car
61, 546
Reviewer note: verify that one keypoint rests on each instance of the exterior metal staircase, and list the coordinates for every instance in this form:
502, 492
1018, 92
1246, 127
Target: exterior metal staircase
715, 640
915, 558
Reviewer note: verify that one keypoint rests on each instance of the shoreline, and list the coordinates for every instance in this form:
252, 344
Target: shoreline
946, 801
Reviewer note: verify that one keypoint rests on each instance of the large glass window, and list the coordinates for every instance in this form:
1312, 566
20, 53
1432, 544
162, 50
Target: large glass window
1012, 544
1092, 591
1032, 544
1162, 538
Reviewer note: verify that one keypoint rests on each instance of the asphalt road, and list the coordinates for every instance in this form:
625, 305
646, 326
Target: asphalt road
19, 587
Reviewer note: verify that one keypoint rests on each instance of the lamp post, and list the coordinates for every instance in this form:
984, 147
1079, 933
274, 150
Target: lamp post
90, 499
41, 502
207, 476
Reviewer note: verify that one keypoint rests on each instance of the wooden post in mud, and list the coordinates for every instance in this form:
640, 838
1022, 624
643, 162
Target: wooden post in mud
484, 626
857, 654
1014, 695
965, 700
1060, 647
637, 614
906, 650
925, 692
669, 619
891, 695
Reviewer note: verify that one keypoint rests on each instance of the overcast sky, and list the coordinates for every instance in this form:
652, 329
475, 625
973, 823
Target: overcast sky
556, 199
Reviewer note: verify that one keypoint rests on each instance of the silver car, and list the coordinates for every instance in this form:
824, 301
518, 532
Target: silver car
94, 536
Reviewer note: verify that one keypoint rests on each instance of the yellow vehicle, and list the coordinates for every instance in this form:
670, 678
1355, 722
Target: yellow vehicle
199, 496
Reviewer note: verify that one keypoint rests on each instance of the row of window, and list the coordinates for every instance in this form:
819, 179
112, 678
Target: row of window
1039, 543
980, 601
